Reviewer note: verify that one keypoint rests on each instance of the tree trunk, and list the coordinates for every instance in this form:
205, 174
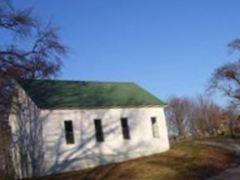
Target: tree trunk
6, 166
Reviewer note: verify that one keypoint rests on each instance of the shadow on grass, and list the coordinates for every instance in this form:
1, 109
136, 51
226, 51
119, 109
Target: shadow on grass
183, 161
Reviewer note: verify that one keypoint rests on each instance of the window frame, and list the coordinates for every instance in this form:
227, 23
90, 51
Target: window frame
125, 128
99, 134
155, 127
69, 134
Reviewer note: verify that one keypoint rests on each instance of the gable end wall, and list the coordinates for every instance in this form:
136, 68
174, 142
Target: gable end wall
26, 135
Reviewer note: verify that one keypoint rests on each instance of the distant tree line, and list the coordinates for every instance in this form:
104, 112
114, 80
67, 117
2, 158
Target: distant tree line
201, 116
197, 116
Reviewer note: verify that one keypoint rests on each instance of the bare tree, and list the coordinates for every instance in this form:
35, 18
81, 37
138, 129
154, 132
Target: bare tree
231, 119
226, 79
205, 116
177, 113
28, 49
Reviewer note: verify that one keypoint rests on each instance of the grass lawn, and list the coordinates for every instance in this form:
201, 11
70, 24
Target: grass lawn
185, 160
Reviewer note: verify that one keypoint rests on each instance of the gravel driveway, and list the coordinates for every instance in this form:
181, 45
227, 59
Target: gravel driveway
229, 174
232, 173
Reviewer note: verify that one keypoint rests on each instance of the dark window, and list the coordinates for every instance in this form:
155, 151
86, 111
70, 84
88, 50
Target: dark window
155, 128
98, 129
125, 128
69, 132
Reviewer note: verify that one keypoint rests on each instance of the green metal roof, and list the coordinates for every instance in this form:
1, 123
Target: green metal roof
53, 94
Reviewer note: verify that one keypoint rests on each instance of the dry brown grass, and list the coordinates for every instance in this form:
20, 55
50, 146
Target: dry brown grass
185, 160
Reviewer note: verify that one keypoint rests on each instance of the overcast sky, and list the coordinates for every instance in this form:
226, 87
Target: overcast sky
167, 46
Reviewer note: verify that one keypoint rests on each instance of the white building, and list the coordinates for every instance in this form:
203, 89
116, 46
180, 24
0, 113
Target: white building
61, 126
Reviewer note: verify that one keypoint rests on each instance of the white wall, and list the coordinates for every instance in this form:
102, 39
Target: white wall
26, 135
86, 152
